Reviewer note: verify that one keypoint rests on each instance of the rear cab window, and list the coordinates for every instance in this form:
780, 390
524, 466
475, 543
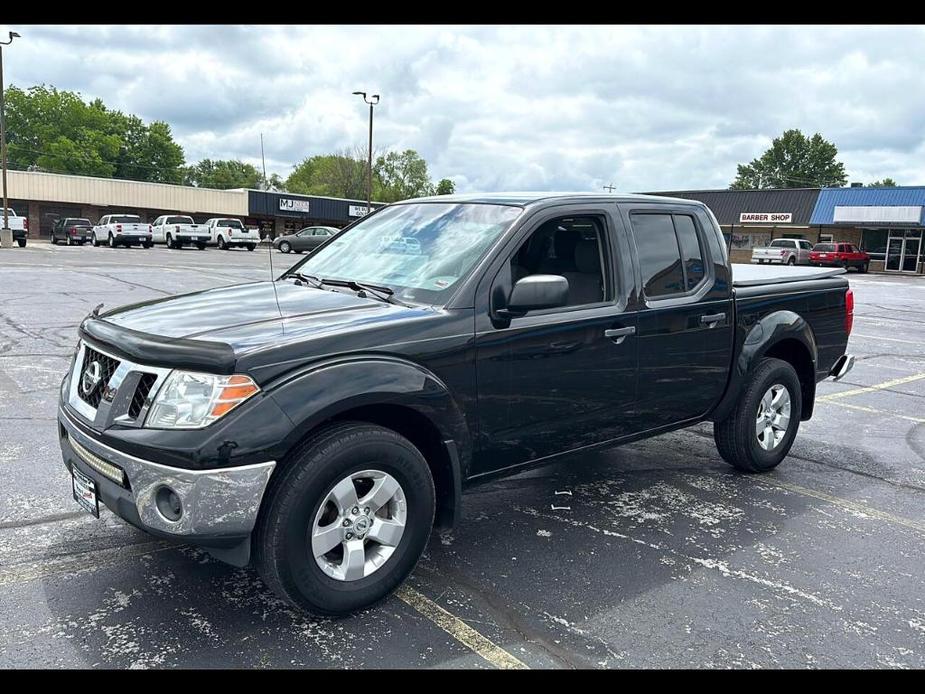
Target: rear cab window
670, 253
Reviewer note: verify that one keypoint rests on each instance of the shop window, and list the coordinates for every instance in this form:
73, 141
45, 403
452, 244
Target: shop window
874, 242
826, 238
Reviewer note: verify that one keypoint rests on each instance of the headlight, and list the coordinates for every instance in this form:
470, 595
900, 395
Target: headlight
190, 400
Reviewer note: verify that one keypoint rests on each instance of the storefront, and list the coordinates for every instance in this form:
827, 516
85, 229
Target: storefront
886, 222
286, 213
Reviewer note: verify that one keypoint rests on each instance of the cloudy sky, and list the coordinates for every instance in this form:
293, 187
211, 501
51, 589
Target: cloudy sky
509, 108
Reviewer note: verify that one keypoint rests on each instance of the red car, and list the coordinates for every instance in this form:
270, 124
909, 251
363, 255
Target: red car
839, 254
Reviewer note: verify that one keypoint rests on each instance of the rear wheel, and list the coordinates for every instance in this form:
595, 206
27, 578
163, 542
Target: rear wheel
112, 241
54, 241
96, 242
251, 246
758, 433
347, 519
791, 261
285, 247
863, 267
201, 246
21, 242
221, 243
169, 241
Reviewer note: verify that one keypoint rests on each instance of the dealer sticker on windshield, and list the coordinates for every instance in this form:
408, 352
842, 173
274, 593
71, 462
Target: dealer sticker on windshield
85, 492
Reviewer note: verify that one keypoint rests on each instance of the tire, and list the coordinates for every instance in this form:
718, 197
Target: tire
21, 242
285, 247
736, 436
791, 261
68, 241
222, 246
95, 242
112, 241
863, 267
201, 246
54, 241
169, 241
251, 246
299, 498
147, 244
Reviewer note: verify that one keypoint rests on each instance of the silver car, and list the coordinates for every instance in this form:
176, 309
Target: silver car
784, 252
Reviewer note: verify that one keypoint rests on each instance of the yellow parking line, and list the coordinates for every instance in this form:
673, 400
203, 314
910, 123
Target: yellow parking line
847, 504
870, 389
872, 410
459, 630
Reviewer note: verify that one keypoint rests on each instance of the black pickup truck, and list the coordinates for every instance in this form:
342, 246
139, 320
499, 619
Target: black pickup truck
320, 425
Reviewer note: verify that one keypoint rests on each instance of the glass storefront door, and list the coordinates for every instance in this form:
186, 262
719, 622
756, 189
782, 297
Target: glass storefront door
903, 250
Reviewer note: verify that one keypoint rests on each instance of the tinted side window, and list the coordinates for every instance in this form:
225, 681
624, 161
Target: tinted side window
691, 254
659, 254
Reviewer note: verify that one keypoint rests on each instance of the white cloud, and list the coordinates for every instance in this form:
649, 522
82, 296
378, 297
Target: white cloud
493, 108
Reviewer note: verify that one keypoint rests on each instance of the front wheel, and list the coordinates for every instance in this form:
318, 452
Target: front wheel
346, 520
758, 433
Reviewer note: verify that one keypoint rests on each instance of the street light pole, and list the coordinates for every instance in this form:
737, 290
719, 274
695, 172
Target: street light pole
6, 233
372, 101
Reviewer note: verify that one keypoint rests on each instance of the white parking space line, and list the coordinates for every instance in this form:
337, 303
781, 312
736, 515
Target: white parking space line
872, 410
870, 389
887, 339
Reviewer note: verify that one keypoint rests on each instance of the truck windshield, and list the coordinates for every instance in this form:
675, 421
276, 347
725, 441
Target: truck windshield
179, 220
419, 250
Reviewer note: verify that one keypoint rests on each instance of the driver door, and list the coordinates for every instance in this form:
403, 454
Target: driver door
556, 379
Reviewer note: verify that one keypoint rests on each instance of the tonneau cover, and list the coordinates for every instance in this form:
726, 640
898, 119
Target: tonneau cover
749, 275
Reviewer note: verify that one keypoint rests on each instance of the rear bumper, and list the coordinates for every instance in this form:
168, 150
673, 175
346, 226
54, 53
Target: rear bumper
778, 261
218, 507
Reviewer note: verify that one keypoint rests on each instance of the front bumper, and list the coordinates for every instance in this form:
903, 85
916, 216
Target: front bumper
219, 507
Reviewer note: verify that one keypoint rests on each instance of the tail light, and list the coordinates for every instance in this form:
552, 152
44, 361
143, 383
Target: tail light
72, 230
25, 223
118, 228
849, 310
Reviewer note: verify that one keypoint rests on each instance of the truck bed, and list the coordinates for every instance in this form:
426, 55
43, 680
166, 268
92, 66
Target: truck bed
746, 275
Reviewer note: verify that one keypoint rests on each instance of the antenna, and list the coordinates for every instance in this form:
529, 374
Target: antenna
609, 188
270, 244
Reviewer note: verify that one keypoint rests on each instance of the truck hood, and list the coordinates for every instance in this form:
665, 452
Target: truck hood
248, 315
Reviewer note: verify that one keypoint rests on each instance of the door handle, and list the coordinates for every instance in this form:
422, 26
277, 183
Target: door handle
619, 334
712, 318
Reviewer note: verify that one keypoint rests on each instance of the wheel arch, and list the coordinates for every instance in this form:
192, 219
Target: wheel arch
393, 393
782, 335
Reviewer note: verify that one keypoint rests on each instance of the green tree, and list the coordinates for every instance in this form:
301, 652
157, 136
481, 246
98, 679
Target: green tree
223, 174
793, 161
402, 175
445, 187
885, 183
55, 130
341, 175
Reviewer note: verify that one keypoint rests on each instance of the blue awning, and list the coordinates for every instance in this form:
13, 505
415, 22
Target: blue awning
902, 206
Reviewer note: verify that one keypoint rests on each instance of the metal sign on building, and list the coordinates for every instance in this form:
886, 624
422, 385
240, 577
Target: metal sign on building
897, 214
293, 205
770, 217
358, 210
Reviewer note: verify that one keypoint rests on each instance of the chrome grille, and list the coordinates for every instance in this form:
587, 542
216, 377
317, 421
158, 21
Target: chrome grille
107, 367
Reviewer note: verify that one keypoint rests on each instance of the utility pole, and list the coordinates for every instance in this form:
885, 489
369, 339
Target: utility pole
372, 101
266, 184
6, 235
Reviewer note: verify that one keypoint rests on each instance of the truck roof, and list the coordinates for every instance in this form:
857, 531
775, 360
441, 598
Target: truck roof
529, 198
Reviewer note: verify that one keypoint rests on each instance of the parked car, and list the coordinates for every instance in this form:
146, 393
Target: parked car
178, 230
321, 423
784, 251
230, 233
122, 230
71, 231
18, 225
307, 239
840, 255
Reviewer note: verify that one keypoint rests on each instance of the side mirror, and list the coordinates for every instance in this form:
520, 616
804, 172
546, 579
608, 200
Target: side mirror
536, 292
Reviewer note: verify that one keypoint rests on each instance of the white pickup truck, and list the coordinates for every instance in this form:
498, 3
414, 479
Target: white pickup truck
783, 252
178, 230
122, 230
18, 225
227, 233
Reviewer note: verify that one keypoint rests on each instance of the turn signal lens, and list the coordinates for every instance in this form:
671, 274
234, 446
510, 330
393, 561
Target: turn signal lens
849, 311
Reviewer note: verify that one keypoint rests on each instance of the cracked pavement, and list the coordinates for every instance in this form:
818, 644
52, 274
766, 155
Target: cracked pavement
659, 555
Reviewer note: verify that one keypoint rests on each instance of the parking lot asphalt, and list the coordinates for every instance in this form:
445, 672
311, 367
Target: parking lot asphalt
654, 554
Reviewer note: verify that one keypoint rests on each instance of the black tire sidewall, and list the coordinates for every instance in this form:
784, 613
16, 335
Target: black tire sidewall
285, 247
776, 371
297, 502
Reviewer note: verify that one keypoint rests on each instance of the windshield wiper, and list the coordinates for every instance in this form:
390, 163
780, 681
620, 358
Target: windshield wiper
386, 294
310, 279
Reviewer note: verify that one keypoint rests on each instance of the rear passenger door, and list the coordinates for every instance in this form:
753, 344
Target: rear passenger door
685, 324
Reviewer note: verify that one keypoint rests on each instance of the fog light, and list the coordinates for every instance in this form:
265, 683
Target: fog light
168, 503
